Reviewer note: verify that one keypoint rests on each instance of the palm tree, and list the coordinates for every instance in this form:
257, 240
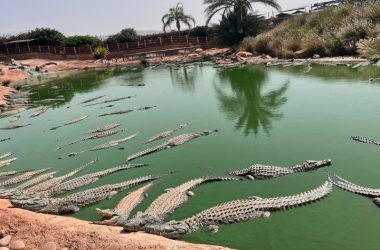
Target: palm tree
226, 6
178, 16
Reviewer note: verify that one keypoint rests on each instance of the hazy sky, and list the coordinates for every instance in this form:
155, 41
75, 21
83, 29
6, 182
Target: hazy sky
99, 17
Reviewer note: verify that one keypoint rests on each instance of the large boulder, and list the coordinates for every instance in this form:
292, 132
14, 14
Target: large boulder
303, 53
244, 54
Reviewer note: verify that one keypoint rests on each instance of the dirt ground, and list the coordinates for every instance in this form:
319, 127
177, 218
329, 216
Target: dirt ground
38, 229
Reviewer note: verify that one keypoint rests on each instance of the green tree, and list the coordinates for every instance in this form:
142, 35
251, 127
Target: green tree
178, 16
125, 35
227, 6
43, 36
76, 41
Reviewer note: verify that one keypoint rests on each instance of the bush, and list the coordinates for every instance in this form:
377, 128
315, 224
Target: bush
43, 36
332, 32
77, 41
369, 47
101, 53
125, 35
199, 31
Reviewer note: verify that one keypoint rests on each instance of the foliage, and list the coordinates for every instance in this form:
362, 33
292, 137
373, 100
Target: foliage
43, 36
199, 31
125, 35
235, 26
369, 47
177, 15
76, 41
346, 30
229, 6
101, 53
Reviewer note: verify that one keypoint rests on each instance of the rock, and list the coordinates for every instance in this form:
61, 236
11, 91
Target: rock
49, 246
378, 64
17, 245
190, 193
65, 248
181, 52
192, 55
244, 54
198, 51
4, 248
316, 56
5, 241
303, 53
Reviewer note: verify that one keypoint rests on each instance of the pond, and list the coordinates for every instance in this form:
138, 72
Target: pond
277, 116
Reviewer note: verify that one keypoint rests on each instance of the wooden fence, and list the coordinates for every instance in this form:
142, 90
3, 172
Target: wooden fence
116, 50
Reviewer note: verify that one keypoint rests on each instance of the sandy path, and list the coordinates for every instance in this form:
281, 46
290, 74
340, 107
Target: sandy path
37, 229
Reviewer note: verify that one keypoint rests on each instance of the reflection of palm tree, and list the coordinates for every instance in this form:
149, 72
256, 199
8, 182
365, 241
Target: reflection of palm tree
184, 78
247, 104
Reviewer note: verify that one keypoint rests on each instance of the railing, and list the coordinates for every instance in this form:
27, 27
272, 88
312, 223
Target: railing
145, 45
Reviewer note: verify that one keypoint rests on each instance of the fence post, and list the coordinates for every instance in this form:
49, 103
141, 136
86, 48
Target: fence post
171, 39
6, 46
160, 41
39, 48
75, 51
108, 48
127, 45
198, 40
144, 43
118, 46
187, 39
55, 50
91, 49
28, 46
18, 46
206, 40
64, 49
49, 49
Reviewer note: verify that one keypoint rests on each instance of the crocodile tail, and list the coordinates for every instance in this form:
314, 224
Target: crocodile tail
148, 151
351, 187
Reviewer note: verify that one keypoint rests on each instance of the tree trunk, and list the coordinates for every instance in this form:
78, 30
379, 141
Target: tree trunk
179, 28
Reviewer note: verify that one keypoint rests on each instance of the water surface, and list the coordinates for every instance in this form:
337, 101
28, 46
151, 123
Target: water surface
275, 116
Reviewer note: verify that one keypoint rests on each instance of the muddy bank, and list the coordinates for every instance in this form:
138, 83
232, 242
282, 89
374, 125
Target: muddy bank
35, 230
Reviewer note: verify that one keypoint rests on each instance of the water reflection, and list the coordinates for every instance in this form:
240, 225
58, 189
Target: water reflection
248, 104
335, 72
184, 77
56, 93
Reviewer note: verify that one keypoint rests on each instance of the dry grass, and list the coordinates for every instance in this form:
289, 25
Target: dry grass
346, 30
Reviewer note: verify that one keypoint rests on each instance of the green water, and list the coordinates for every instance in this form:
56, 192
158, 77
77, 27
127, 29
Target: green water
277, 116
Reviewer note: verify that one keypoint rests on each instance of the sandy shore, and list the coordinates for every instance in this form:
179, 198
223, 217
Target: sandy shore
38, 229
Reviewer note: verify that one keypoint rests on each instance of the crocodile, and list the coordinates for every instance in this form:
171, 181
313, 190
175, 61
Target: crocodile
92, 99
123, 208
104, 128
35, 181
73, 203
165, 134
364, 139
7, 162
111, 100
7, 174
165, 204
237, 211
351, 187
86, 179
147, 107
5, 139
5, 155
106, 145
96, 136
57, 180
25, 176
39, 111
173, 142
259, 171
71, 122
15, 126
119, 112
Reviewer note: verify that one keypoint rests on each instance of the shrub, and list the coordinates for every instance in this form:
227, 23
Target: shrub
292, 45
101, 53
43, 36
76, 41
125, 35
314, 45
199, 31
261, 44
369, 47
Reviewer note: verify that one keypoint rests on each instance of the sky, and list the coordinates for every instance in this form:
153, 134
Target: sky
99, 17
